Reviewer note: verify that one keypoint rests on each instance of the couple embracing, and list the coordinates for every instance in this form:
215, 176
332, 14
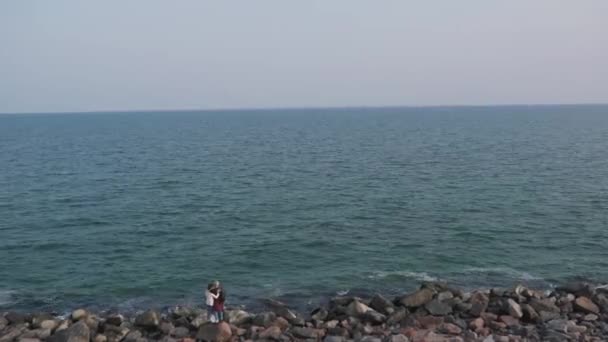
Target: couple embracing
215, 296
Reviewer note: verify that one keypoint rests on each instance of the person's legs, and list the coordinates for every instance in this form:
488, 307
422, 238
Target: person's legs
211, 316
220, 316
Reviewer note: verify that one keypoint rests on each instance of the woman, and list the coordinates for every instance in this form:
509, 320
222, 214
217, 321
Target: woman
218, 305
211, 294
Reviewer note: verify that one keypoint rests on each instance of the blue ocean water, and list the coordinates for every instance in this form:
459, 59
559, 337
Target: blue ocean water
144, 208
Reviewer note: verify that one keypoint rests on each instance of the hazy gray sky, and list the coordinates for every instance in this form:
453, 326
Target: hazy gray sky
147, 54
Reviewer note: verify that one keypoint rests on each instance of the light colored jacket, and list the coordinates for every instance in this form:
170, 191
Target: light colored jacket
209, 297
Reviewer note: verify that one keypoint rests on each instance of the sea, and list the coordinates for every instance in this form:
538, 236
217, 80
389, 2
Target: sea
130, 210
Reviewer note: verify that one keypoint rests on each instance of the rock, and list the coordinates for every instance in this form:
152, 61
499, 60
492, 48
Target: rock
560, 325
476, 324
272, 332
514, 309
12, 332
602, 301
15, 317
577, 288
79, 314
115, 333
132, 336
418, 298
334, 339
100, 338
381, 304
445, 295
37, 319
78, 332
373, 317
264, 319
115, 319
166, 327
544, 305
149, 319
319, 314
302, 332
585, 305
41, 334
63, 325
449, 328
590, 317
508, 320
198, 321
545, 316
397, 316
430, 322
28, 339
529, 314
212, 332
398, 338
370, 339
180, 332
357, 309
437, 308
281, 323
479, 303
48, 324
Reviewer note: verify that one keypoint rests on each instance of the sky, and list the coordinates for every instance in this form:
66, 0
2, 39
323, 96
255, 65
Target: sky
63, 56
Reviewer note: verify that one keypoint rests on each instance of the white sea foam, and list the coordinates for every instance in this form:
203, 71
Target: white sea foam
419, 276
513, 273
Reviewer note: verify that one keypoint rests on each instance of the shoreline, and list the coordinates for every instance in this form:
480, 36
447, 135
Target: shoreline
434, 312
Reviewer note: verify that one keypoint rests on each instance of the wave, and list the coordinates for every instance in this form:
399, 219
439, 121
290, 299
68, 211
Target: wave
7, 297
419, 276
510, 272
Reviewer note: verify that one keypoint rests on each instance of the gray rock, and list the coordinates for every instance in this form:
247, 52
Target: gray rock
437, 308
381, 304
180, 332
116, 319
398, 338
78, 332
273, 332
445, 295
100, 338
79, 314
198, 321
264, 319
149, 319
15, 317
370, 339
303, 332
319, 314
12, 332
544, 305
48, 324
41, 334
166, 327
514, 309
3, 322
133, 336
28, 339
397, 316
357, 309
332, 338
373, 317
529, 313
212, 332
479, 303
418, 298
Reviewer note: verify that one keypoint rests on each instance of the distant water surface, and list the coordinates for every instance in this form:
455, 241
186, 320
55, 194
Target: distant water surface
130, 210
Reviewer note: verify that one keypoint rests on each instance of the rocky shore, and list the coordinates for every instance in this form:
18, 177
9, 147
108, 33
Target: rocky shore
435, 312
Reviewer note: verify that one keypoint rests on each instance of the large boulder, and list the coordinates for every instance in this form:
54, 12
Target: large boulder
585, 305
79, 314
15, 317
238, 317
214, 332
115, 319
381, 304
78, 332
437, 308
149, 319
479, 303
418, 298
514, 309
357, 309
264, 319
12, 332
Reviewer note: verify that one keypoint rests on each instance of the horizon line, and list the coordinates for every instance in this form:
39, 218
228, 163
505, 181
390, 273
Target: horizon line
289, 108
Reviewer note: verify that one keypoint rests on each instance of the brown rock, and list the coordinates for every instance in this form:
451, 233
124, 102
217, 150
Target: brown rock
479, 302
149, 319
509, 320
449, 328
418, 298
100, 338
357, 309
430, 322
585, 304
79, 314
212, 332
476, 324
272, 332
78, 332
